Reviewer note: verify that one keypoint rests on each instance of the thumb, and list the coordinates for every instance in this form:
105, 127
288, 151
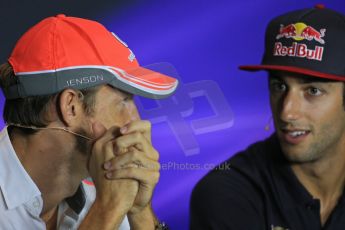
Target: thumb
98, 129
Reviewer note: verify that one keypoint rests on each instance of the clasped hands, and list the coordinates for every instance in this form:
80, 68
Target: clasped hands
124, 166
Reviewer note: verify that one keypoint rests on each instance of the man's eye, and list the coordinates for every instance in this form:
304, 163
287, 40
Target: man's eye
279, 87
128, 98
314, 91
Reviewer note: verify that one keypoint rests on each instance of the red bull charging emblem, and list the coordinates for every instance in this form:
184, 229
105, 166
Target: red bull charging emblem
300, 31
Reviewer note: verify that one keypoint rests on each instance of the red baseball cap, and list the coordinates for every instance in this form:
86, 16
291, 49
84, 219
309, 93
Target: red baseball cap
68, 52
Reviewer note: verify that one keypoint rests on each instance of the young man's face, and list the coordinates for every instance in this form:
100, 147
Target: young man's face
309, 116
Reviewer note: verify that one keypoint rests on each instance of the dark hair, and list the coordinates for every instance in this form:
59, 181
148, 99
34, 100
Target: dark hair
31, 111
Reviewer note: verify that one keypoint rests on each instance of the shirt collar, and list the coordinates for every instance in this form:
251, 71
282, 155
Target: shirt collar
16, 185
77, 201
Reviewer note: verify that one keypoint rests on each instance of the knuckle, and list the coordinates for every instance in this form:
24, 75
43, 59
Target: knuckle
147, 124
131, 149
135, 154
155, 154
156, 177
137, 135
158, 167
118, 143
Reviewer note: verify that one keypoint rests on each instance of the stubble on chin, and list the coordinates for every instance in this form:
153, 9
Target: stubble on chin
309, 153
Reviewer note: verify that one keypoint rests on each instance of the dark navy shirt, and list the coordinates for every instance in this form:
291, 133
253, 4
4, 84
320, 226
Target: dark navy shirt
257, 189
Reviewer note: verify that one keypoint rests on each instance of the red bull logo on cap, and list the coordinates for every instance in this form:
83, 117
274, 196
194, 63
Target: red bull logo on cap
300, 31
298, 50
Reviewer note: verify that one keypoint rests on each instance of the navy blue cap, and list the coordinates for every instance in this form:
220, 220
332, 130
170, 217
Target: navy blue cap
308, 41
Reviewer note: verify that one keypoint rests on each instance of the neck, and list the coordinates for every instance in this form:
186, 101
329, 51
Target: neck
324, 179
46, 158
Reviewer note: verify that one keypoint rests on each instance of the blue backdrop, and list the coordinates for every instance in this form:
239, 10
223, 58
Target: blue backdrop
217, 110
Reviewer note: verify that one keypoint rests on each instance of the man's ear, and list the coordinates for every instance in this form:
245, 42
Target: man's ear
70, 107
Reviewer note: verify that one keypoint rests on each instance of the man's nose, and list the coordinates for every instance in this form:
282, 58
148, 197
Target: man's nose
290, 107
132, 111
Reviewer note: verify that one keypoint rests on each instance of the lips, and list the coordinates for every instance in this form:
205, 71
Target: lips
294, 136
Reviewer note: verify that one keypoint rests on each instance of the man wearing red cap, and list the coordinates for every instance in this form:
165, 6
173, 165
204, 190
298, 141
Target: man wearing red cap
294, 179
69, 86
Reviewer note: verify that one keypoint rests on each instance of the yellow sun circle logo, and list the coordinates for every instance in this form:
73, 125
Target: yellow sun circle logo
300, 26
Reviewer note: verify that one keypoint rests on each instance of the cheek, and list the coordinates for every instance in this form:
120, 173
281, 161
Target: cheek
328, 113
118, 115
113, 116
274, 104
107, 116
